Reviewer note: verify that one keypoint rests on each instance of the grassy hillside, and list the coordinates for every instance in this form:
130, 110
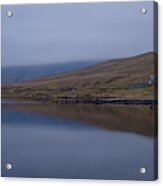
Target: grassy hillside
125, 78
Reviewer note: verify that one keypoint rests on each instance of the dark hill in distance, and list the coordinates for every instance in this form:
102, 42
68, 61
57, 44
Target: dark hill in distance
125, 78
14, 74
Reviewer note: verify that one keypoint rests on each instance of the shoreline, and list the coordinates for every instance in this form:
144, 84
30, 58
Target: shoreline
97, 100
86, 100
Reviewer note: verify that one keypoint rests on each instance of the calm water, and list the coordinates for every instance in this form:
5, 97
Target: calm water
77, 141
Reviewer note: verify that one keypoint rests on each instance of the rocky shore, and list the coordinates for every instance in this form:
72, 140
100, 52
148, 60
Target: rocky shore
104, 100
91, 99
43, 97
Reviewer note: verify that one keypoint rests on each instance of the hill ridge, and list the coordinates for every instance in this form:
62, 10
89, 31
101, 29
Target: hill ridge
124, 78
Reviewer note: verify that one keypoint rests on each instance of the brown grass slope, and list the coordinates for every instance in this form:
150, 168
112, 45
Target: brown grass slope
108, 78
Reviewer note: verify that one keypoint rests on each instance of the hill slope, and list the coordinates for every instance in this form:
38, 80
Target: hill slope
129, 78
16, 74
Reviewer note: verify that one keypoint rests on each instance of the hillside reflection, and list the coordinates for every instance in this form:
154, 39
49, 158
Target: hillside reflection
136, 119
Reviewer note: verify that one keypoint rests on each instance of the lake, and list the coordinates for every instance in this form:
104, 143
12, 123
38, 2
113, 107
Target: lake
77, 140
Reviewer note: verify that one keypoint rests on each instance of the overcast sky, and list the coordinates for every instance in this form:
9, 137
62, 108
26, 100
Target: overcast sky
59, 33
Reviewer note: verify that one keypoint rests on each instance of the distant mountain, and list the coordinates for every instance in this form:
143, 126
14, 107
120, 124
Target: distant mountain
15, 74
111, 78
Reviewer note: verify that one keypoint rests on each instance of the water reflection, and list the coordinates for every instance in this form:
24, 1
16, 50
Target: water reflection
138, 119
77, 141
